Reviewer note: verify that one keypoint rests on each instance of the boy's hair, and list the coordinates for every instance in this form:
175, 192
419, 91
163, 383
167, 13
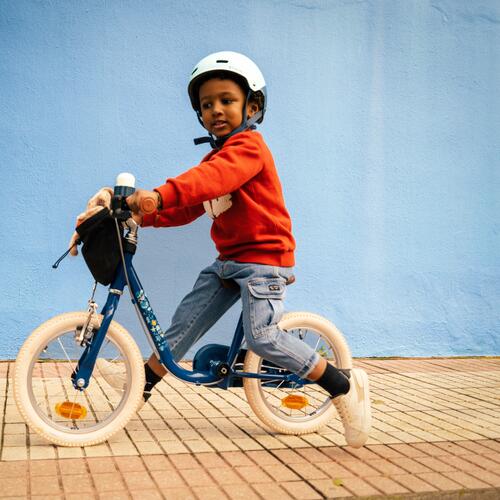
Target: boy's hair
255, 97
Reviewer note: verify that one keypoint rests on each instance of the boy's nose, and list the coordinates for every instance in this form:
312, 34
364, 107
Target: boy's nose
216, 109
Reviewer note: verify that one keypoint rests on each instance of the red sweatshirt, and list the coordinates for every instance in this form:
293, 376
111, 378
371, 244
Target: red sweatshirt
238, 186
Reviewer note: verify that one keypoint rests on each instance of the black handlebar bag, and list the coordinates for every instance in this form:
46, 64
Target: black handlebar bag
101, 248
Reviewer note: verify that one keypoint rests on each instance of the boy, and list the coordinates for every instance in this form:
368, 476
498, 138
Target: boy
238, 186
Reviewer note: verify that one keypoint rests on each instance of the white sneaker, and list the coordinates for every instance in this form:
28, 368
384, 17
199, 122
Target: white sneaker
114, 376
355, 409
112, 373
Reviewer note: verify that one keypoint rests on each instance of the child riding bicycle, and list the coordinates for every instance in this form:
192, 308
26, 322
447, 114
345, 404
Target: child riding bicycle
237, 185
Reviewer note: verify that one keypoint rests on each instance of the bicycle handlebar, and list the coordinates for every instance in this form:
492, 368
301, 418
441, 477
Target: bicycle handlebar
148, 205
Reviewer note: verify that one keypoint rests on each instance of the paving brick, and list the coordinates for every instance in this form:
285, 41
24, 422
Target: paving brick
334, 470
474, 446
263, 457
387, 485
385, 466
360, 468
486, 476
115, 495
413, 483
271, 490
313, 455
108, 482
13, 469
492, 445
67, 452
184, 461
336, 453
137, 480
72, 466
77, 483
464, 479
130, 464
439, 481
484, 462
253, 474
172, 479
362, 453
43, 468
45, 485
329, 490
411, 465
451, 448
14, 486
78, 496
225, 475
236, 458
280, 472
289, 457
408, 450
435, 464
154, 494
157, 462
242, 492
196, 477
308, 471
429, 449
101, 465
359, 486
300, 490
14, 453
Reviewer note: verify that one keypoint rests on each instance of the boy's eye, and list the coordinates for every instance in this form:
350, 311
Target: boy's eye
206, 105
227, 101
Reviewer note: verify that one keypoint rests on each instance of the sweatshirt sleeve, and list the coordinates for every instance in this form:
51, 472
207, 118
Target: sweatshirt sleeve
225, 171
171, 217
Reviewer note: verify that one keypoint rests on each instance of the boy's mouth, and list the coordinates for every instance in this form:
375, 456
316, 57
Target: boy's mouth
218, 124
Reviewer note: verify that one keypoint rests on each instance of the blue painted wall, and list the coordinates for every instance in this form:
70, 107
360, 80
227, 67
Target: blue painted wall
384, 120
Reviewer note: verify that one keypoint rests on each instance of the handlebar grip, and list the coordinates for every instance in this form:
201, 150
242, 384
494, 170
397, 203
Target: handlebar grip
148, 205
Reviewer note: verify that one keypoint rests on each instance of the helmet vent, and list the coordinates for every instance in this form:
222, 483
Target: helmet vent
222, 61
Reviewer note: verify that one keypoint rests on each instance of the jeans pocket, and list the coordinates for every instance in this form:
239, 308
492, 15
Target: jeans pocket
266, 303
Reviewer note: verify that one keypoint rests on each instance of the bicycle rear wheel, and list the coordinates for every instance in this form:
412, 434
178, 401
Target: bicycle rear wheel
296, 408
44, 392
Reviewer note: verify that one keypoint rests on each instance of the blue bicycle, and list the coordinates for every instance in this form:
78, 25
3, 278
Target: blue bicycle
63, 396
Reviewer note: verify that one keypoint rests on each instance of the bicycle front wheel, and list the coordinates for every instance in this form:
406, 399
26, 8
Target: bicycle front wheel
44, 392
291, 408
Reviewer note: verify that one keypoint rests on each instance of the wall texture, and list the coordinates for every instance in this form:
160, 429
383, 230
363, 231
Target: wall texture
384, 120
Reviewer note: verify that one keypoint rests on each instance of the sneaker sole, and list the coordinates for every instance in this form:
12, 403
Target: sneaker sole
360, 377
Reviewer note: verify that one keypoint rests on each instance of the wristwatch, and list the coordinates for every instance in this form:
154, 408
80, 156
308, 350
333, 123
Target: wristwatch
159, 203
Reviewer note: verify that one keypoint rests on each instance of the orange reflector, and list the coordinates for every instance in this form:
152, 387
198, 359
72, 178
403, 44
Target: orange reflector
74, 411
294, 402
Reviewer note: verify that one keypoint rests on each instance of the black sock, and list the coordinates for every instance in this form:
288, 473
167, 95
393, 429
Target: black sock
335, 381
151, 380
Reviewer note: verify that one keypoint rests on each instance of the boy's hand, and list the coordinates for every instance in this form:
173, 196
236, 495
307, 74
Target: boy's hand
143, 201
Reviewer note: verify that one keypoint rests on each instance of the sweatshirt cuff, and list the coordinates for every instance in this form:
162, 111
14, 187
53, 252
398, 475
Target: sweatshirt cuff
149, 219
168, 195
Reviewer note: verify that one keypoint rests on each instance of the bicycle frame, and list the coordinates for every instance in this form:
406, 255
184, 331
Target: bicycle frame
83, 372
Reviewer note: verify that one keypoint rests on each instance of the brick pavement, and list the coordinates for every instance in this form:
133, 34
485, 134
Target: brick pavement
436, 433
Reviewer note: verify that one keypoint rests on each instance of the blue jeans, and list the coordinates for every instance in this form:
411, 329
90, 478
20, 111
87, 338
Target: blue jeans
262, 291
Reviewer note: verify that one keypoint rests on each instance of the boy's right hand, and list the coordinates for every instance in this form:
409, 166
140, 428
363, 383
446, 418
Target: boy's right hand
143, 201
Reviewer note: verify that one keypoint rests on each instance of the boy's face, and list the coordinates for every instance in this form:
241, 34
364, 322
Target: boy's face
221, 104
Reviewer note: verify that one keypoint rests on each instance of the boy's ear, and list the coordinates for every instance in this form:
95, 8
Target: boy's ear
252, 108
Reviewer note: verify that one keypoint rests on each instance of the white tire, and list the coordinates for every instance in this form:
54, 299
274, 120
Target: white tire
42, 382
267, 399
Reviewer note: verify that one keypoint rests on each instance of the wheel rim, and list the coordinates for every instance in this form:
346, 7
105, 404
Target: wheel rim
49, 385
311, 399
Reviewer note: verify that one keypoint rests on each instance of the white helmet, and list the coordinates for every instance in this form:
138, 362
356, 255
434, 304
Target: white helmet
231, 62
